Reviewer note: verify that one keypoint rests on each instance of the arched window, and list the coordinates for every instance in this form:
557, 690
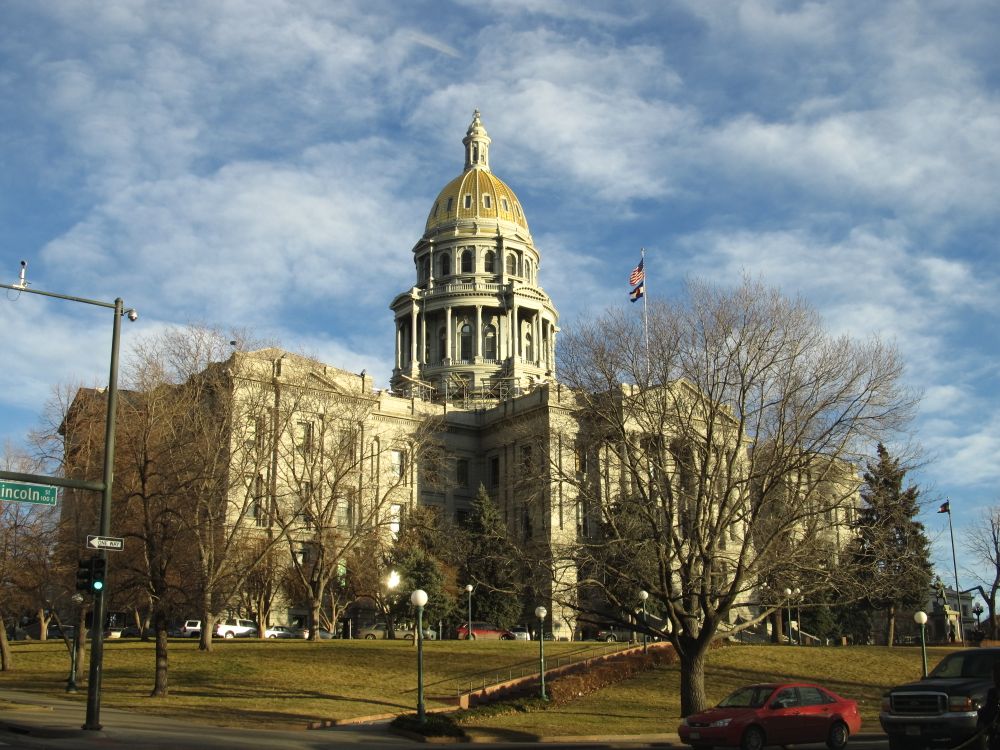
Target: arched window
444, 265
490, 342
490, 262
465, 342
442, 344
529, 349
468, 260
511, 264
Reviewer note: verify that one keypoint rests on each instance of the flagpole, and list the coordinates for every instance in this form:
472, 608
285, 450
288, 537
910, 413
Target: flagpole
645, 313
958, 591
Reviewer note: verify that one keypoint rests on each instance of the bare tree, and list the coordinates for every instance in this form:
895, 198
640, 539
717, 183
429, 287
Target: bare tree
722, 460
343, 473
983, 541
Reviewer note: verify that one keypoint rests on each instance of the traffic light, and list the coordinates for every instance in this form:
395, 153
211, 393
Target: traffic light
84, 575
98, 568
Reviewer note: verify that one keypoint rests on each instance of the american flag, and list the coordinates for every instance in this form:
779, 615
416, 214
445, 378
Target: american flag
637, 274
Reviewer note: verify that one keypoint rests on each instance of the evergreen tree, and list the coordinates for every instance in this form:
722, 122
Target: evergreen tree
494, 566
890, 555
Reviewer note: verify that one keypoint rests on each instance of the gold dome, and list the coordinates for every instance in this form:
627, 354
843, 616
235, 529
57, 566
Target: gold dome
476, 194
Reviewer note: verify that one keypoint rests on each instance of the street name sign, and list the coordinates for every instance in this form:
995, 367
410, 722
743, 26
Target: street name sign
18, 492
105, 542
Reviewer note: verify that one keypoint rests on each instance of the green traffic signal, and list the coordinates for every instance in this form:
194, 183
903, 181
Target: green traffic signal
98, 568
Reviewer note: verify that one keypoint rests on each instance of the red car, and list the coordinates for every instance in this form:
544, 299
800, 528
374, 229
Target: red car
484, 631
774, 714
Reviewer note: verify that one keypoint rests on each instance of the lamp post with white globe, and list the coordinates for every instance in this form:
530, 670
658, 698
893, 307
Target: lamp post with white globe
643, 596
418, 599
540, 613
468, 633
920, 617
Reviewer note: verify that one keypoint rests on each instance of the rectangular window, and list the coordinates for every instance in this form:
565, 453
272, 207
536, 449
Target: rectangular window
397, 460
506, 206
395, 519
468, 200
304, 438
257, 504
451, 202
462, 472
495, 471
343, 514
486, 201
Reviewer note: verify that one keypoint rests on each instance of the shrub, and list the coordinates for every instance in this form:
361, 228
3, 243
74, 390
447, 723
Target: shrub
434, 725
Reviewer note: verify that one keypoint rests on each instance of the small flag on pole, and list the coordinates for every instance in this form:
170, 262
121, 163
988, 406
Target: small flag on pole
945, 507
636, 294
637, 274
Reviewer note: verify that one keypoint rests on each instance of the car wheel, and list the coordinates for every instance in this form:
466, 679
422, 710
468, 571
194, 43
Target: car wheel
506, 637
408, 636
472, 637
272, 636
609, 638
229, 635
753, 739
837, 738
370, 637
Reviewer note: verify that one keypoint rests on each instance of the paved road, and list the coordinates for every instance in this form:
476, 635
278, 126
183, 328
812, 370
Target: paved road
34, 722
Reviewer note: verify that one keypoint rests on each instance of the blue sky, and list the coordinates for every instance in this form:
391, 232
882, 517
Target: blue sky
270, 164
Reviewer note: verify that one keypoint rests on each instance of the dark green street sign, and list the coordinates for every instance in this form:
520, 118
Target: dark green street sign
18, 492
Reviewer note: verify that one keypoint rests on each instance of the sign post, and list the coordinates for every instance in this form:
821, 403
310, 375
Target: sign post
19, 492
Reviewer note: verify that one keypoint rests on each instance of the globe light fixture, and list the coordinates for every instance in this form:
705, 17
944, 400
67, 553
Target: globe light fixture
920, 617
540, 613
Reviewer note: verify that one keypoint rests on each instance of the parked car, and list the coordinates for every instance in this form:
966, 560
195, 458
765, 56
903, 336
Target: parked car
941, 707
774, 714
236, 628
613, 633
324, 634
520, 633
191, 629
283, 631
484, 631
378, 632
131, 631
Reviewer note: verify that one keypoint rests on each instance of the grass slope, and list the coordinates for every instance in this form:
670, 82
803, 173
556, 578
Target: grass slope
287, 684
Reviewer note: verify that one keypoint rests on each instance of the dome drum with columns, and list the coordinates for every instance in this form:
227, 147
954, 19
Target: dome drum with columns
476, 324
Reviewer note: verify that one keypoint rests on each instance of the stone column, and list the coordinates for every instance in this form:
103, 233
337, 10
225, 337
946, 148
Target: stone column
449, 347
399, 343
413, 334
479, 331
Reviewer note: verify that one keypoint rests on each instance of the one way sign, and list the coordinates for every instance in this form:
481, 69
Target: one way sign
105, 542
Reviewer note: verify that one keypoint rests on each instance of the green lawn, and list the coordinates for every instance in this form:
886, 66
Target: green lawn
651, 703
291, 683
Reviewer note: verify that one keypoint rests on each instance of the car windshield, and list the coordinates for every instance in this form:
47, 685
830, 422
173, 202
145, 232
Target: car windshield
754, 696
963, 664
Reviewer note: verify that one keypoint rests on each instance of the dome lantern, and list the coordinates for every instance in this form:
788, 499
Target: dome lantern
477, 145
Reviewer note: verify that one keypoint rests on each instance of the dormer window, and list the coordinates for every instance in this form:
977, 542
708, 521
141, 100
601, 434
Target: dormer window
505, 204
468, 200
486, 201
451, 202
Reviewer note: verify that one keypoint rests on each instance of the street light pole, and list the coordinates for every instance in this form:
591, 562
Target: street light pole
643, 596
540, 613
798, 612
418, 599
920, 617
93, 720
468, 633
788, 600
